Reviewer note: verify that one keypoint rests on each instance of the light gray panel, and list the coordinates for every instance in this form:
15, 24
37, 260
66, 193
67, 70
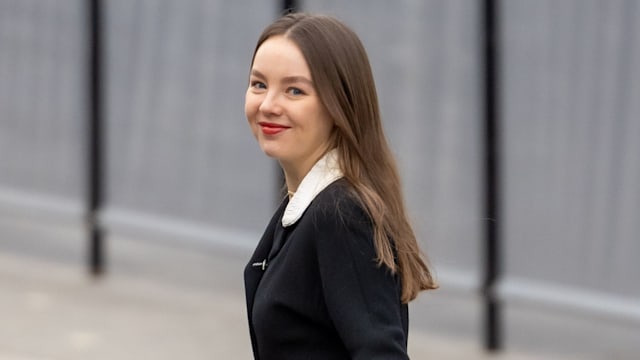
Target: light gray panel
572, 124
42, 87
425, 60
178, 143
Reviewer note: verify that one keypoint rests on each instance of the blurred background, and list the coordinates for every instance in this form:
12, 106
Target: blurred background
132, 192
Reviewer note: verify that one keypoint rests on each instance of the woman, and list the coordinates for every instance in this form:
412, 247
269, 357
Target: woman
338, 263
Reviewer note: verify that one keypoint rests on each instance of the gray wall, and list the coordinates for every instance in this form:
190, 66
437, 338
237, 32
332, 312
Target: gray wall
572, 145
42, 102
180, 153
182, 165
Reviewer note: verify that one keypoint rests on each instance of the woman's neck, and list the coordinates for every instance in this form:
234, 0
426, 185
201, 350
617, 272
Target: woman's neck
293, 175
295, 171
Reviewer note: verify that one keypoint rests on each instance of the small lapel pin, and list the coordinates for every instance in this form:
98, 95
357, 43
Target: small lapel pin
262, 264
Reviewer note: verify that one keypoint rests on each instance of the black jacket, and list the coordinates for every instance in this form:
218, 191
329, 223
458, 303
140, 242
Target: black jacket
321, 294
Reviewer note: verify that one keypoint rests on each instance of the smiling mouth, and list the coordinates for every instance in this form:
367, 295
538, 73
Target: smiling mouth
272, 129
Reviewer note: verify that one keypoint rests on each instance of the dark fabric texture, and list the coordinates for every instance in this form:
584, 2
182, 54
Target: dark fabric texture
322, 295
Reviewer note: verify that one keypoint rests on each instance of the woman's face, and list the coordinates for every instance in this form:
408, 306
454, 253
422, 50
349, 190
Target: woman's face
282, 106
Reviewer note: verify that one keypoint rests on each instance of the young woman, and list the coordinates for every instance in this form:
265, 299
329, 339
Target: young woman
338, 263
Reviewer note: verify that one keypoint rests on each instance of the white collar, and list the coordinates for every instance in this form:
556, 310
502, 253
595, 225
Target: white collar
321, 175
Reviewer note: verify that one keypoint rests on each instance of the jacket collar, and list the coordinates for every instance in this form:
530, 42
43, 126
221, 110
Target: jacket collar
321, 175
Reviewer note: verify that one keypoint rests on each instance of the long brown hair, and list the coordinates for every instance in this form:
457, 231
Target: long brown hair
342, 77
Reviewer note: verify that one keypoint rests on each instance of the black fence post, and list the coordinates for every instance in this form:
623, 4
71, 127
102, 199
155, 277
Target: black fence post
95, 174
289, 6
491, 84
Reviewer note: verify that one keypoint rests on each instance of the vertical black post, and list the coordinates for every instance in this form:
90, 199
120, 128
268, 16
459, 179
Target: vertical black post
491, 53
95, 168
289, 6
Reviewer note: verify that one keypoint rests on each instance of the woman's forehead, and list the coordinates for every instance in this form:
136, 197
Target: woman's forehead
280, 56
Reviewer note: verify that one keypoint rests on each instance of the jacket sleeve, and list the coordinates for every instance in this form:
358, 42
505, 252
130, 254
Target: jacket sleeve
362, 298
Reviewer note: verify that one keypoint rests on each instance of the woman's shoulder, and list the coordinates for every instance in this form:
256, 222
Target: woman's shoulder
339, 204
337, 220
339, 193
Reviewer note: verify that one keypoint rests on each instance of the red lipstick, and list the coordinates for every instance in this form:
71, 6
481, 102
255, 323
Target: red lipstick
271, 128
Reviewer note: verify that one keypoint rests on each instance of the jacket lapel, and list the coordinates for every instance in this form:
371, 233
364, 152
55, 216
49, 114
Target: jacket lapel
253, 272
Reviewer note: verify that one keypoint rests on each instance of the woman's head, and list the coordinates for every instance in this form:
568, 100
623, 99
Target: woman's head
284, 110
339, 69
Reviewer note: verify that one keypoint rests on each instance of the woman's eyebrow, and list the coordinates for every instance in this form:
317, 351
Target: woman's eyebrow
297, 79
257, 73
285, 80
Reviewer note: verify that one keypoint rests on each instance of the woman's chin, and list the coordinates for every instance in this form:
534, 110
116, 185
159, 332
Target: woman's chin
272, 153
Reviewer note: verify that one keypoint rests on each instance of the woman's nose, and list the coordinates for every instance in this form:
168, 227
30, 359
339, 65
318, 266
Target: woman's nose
270, 104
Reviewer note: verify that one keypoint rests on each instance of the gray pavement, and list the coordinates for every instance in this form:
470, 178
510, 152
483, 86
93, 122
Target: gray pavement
160, 301
53, 311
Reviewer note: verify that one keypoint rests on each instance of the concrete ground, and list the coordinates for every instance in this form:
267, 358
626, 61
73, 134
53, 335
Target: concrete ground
163, 302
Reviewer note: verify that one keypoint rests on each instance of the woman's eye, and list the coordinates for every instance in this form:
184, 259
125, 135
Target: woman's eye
258, 85
295, 91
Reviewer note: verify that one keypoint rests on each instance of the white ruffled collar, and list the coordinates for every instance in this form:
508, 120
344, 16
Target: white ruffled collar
321, 175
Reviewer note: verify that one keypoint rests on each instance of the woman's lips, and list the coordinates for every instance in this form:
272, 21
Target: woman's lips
271, 128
